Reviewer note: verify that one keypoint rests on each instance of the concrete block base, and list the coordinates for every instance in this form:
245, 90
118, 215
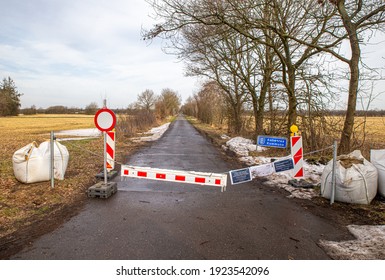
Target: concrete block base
102, 190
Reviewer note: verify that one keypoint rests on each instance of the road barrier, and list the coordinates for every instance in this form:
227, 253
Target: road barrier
189, 177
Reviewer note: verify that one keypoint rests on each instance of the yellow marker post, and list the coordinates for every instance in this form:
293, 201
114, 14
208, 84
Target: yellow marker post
294, 130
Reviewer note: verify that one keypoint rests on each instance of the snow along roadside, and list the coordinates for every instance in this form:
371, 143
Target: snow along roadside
370, 240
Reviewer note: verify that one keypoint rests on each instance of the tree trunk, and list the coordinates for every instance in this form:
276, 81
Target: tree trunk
262, 97
259, 105
237, 125
347, 131
271, 113
292, 99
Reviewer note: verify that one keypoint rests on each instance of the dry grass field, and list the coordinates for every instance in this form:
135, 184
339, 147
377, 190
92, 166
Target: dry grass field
17, 132
369, 134
21, 205
375, 127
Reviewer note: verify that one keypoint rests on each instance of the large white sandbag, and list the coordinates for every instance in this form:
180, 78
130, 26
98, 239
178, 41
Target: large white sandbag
377, 157
31, 164
28, 164
61, 157
356, 179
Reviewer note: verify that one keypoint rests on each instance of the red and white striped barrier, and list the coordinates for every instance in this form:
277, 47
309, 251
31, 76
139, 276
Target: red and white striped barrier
297, 154
110, 150
189, 177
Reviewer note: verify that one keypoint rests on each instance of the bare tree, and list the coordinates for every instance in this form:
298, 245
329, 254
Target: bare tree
295, 30
190, 107
210, 103
168, 103
91, 108
270, 23
356, 17
146, 100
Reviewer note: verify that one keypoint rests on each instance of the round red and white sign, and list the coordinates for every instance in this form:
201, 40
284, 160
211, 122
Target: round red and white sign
105, 119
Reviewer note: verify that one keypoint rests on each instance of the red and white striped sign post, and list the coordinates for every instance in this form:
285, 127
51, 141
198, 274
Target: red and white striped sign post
105, 121
110, 150
296, 152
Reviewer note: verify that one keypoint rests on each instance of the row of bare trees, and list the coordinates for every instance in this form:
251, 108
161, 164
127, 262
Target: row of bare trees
274, 56
164, 105
147, 110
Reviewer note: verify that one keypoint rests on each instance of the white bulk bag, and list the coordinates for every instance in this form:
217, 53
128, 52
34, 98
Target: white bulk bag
31, 164
377, 158
28, 164
61, 157
356, 179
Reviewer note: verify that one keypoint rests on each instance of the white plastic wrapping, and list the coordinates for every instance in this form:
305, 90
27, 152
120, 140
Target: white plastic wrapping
377, 158
26, 164
61, 157
31, 163
354, 184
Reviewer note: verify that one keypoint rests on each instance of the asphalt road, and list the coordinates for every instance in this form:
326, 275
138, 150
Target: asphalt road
164, 220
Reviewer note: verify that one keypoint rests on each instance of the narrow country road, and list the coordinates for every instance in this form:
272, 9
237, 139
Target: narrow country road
164, 220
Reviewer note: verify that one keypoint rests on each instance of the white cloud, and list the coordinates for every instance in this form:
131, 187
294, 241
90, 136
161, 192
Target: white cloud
77, 52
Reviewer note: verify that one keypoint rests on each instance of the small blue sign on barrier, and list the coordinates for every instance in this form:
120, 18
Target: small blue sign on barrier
284, 165
240, 176
271, 141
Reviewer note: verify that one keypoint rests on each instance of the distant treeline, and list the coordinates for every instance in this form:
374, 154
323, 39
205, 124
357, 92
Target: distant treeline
359, 113
63, 110
90, 110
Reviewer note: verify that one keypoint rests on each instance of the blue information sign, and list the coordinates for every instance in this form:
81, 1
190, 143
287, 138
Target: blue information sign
284, 165
271, 141
240, 176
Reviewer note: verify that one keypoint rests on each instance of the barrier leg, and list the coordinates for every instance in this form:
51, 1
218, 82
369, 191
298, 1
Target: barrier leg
52, 159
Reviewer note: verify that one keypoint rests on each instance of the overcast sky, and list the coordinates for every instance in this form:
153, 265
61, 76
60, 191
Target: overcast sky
76, 52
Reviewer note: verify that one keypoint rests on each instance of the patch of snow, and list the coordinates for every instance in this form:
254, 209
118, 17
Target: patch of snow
249, 160
368, 245
370, 242
241, 146
261, 149
79, 134
154, 133
313, 173
88, 133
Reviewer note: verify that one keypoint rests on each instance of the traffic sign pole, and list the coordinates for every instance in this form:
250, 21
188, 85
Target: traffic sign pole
105, 121
105, 157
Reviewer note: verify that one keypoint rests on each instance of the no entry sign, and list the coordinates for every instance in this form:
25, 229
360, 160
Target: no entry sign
105, 120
